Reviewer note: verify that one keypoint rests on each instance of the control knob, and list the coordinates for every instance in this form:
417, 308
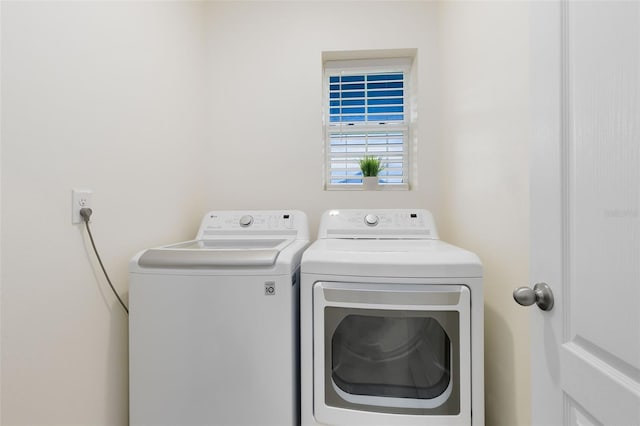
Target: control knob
246, 220
371, 219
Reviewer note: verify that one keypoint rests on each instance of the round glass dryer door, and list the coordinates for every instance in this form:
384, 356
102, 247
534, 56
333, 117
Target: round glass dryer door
392, 361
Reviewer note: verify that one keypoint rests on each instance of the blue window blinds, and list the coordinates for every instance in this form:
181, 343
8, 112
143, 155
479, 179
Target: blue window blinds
370, 98
366, 114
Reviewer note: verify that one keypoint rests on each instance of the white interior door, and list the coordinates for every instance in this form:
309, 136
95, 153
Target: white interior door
585, 189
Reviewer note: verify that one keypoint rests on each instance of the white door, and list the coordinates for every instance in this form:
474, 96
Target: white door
585, 183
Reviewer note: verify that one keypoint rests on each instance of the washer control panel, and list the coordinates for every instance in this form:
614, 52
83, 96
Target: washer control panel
377, 223
254, 222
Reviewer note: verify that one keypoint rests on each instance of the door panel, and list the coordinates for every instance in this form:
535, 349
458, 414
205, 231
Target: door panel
607, 393
604, 178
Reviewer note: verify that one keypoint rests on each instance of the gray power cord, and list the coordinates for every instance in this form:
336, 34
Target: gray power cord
85, 214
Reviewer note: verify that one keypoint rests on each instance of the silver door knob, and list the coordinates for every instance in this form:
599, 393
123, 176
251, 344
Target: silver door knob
541, 295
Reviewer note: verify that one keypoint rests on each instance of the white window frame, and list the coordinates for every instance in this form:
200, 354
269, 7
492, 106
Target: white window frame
369, 66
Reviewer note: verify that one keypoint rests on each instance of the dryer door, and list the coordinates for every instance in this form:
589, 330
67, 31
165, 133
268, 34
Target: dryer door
381, 350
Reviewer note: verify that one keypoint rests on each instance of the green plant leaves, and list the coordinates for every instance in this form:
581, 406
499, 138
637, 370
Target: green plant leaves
371, 165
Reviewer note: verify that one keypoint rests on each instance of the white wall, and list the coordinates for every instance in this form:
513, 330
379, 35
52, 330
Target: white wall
105, 96
485, 129
266, 99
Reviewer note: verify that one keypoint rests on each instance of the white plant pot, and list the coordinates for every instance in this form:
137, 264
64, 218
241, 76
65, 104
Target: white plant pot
370, 183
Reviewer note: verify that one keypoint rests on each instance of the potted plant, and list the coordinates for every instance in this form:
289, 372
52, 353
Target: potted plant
370, 166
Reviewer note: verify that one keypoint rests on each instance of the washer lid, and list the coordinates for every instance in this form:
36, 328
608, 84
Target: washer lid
234, 240
215, 254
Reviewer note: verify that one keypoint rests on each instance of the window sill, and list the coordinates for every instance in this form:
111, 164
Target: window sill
381, 188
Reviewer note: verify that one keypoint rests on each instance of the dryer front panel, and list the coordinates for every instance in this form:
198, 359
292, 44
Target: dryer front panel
391, 353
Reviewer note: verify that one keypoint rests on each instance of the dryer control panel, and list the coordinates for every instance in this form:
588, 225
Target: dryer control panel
378, 223
254, 223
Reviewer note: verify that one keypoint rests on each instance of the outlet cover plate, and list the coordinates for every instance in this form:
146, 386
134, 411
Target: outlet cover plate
80, 198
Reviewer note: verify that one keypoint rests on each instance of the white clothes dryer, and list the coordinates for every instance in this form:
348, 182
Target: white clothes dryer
391, 324
213, 325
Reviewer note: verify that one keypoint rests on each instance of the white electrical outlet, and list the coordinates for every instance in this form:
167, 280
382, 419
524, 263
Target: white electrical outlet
80, 198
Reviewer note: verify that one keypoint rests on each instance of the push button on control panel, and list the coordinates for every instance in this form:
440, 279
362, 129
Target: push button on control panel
246, 220
371, 219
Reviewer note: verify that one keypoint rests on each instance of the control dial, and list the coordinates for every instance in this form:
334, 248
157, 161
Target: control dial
371, 219
246, 220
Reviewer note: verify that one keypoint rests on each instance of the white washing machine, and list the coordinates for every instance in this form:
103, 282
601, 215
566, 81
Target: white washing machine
391, 324
213, 325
